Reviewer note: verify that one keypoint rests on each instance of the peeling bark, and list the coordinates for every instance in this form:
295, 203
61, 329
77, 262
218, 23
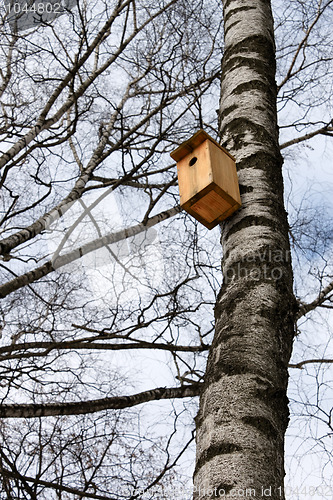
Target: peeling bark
243, 406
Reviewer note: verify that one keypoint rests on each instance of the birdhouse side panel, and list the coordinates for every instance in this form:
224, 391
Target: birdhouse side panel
224, 172
194, 172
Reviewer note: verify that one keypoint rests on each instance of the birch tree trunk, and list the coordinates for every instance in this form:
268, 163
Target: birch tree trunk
243, 407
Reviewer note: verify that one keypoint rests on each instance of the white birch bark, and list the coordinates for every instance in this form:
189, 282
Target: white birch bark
243, 407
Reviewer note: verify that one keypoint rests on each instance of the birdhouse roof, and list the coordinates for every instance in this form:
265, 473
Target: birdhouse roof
189, 146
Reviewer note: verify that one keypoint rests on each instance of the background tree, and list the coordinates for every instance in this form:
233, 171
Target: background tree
92, 103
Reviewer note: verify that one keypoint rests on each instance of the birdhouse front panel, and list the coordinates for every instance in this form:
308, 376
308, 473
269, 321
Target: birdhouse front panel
194, 173
207, 178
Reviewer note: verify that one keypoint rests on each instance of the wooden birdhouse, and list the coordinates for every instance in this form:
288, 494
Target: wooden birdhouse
207, 179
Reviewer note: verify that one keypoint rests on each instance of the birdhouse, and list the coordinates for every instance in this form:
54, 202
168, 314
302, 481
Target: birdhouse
207, 179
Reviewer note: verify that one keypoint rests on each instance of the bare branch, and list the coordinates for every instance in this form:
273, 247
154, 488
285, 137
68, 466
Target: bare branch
322, 131
28, 233
303, 43
50, 266
84, 407
54, 486
322, 297
38, 349
309, 361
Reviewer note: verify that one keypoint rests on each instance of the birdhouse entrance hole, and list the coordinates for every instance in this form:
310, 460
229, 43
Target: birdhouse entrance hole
207, 179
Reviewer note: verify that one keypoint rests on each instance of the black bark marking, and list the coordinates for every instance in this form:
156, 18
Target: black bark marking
236, 368
215, 451
263, 425
245, 189
253, 220
259, 161
239, 128
260, 68
223, 487
251, 85
258, 44
235, 11
219, 306
229, 110
232, 25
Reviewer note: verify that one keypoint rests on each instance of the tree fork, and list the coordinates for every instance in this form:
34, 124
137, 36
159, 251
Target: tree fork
243, 411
